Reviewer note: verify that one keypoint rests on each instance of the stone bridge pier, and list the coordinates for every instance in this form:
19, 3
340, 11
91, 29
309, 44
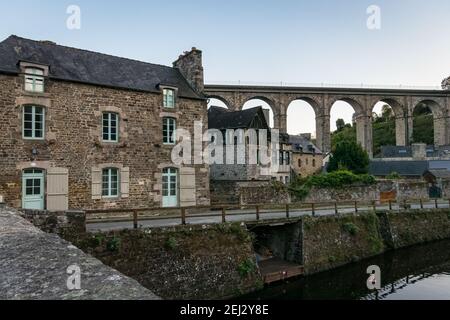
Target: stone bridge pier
402, 101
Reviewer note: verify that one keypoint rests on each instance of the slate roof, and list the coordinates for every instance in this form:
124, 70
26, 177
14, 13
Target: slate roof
403, 168
221, 118
71, 64
440, 173
302, 144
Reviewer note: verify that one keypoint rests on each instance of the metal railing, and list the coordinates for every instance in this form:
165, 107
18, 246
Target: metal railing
322, 85
258, 211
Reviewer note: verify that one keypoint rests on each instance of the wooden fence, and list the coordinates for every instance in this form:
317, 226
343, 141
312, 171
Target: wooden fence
225, 211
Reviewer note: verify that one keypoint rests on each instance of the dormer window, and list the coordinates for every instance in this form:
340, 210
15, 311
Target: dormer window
169, 98
34, 80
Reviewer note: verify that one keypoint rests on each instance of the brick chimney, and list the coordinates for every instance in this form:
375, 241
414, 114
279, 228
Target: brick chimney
191, 67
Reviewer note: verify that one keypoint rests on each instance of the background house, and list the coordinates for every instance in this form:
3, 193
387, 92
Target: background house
307, 159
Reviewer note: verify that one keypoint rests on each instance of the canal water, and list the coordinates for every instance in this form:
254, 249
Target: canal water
420, 272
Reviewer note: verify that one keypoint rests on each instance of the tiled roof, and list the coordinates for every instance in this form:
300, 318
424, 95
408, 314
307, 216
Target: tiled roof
89, 67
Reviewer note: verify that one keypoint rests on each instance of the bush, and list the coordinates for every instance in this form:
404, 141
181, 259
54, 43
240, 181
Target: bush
247, 267
393, 176
338, 179
350, 228
351, 156
113, 244
171, 243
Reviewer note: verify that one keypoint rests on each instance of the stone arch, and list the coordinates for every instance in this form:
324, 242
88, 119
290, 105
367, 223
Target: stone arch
439, 119
362, 118
400, 119
274, 114
354, 102
220, 98
309, 103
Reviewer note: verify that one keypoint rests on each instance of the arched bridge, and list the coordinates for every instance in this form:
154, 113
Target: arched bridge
402, 101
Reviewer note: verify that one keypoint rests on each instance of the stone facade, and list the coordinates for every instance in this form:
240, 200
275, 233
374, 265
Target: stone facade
73, 142
306, 164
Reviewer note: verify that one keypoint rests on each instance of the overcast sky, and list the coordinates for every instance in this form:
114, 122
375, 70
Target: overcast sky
320, 41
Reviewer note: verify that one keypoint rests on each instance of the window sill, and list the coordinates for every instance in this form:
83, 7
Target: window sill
35, 94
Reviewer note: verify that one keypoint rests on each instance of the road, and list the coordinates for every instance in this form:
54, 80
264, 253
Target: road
242, 216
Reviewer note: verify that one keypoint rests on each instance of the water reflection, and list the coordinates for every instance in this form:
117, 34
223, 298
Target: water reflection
421, 272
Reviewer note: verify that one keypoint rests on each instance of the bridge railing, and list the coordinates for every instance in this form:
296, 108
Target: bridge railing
322, 85
254, 212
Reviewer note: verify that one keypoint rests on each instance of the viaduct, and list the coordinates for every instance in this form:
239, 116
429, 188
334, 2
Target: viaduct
402, 101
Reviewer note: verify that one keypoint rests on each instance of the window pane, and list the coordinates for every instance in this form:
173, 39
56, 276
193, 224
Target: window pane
38, 134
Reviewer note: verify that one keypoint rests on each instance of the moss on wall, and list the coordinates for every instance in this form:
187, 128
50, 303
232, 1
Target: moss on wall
186, 262
414, 226
329, 242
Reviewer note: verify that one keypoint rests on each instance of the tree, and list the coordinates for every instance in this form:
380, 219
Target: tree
340, 124
351, 156
423, 125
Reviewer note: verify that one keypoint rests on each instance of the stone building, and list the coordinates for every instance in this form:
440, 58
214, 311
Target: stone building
87, 130
307, 159
243, 121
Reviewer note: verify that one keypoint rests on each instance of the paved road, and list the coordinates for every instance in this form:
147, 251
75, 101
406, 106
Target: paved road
241, 216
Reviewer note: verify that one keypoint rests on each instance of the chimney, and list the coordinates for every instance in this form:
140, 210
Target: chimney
307, 136
419, 151
191, 67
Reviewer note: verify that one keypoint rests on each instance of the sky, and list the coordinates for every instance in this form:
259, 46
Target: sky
259, 41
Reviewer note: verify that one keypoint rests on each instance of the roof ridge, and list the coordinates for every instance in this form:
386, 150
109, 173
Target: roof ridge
42, 42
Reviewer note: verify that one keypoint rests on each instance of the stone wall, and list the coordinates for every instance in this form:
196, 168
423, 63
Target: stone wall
333, 241
408, 228
248, 192
330, 242
34, 264
402, 189
186, 262
69, 225
73, 140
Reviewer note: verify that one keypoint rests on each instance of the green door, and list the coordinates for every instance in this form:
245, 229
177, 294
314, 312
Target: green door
33, 189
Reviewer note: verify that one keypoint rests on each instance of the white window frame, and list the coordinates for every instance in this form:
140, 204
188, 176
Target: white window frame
33, 122
34, 80
109, 127
109, 182
169, 98
169, 138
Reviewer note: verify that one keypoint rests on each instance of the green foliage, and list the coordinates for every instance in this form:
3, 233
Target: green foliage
340, 124
332, 259
171, 243
393, 176
113, 244
337, 179
423, 131
246, 267
350, 228
347, 133
351, 156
